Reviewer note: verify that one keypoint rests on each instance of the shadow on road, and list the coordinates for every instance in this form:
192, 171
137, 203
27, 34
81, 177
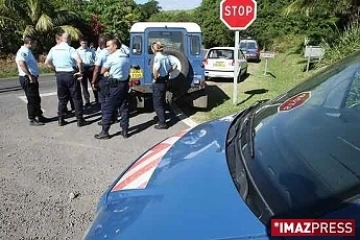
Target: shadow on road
216, 97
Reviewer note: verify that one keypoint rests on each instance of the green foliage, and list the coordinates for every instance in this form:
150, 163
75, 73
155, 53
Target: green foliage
347, 42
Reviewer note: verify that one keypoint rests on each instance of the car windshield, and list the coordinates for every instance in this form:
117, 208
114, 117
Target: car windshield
174, 39
248, 45
306, 157
221, 54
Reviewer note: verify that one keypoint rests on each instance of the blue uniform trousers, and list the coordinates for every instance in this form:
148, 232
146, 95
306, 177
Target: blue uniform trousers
68, 87
113, 94
33, 97
159, 101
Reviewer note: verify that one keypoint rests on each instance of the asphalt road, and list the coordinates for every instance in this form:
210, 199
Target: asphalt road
51, 177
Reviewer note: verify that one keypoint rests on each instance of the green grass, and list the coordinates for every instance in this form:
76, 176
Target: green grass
9, 69
288, 72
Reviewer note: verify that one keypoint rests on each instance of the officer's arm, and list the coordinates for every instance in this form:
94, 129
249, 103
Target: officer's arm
173, 65
78, 60
48, 61
106, 67
156, 68
24, 67
97, 69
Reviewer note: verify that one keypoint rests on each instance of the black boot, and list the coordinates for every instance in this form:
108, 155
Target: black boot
161, 126
61, 122
43, 119
34, 122
125, 133
81, 122
102, 135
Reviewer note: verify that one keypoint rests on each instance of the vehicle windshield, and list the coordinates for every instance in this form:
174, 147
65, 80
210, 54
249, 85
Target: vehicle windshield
307, 144
221, 54
174, 39
248, 45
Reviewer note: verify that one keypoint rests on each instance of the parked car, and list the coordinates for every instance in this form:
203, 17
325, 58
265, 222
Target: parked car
295, 156
219, 63
251, 49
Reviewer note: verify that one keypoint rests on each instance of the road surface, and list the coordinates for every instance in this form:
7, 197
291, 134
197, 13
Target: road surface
52, 177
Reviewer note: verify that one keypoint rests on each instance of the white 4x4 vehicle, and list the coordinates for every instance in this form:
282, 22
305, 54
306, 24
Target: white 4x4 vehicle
219, 63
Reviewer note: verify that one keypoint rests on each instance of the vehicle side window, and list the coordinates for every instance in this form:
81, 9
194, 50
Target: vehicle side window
241, 55
195, 46
137, 45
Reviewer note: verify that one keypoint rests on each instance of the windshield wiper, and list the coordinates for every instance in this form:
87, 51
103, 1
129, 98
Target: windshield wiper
251, 135
239, 118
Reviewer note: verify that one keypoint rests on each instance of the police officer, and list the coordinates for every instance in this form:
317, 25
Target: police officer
61, 58
28, 77
115, 87
87, 56
58, 41
161, 70
101, 55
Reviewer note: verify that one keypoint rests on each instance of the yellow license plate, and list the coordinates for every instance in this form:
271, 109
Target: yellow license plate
219, 64
136, 74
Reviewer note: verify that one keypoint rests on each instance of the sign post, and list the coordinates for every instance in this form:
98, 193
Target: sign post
237, 16
266, 55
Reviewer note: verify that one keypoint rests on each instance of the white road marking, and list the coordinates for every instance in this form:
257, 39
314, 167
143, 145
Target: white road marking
185, 119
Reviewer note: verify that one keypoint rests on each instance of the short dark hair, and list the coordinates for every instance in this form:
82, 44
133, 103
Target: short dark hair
83, 39
29, 39
116, 41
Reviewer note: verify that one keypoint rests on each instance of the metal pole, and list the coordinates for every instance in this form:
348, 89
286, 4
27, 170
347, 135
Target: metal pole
308, 63
266, 63
236, 63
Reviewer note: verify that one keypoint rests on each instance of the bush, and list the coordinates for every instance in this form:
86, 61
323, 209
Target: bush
346, 43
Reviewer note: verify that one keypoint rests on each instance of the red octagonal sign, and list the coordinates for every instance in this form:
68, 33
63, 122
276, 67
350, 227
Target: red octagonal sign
238, 14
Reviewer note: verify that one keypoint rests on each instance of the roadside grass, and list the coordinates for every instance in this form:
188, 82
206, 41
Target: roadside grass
9, 69
285, 72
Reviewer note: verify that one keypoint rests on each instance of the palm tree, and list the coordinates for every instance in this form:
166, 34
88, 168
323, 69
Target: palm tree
346, 7
35, 17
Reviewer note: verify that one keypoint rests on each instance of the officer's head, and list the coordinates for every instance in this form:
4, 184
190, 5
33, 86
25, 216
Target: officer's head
30, 42
83, 43
102, 41
157, 47
58, 38
66, 38
113, 44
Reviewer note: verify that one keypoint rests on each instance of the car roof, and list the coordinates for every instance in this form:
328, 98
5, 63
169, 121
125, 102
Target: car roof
227, 48
189, 26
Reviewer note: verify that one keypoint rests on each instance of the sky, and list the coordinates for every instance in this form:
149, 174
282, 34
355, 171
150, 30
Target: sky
175, 4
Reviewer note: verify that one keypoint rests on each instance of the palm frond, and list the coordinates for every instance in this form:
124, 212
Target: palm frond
29, 31
73, 31
64, 16
44, 23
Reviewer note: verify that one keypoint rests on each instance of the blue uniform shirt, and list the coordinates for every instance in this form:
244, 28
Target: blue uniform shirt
87, 56
101, 57
118, 64
63, 57
25, 54
163, 64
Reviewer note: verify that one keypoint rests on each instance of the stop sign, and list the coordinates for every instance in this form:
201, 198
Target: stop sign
238, 14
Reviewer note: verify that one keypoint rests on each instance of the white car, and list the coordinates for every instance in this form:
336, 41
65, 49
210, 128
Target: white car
219, 63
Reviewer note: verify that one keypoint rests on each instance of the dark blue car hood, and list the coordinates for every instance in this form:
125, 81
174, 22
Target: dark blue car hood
190, 195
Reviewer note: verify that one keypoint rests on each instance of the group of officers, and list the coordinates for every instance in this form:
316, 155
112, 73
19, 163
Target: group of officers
107, 70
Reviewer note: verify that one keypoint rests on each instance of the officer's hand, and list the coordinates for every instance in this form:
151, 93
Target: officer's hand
106, 74
32, 79
78, 76
93, 85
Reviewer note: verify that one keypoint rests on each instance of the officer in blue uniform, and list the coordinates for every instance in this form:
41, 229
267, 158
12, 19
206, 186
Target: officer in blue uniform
87, 56
61, 58
28, 77
114, 87
161, 70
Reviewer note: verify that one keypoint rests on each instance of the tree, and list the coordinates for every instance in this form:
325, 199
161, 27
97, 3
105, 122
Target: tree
116, 16
347, 8
37, 17
149, 9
